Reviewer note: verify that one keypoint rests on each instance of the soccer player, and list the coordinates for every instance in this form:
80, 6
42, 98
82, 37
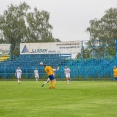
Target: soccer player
115, 73
18, 73
36, 73
48, 80
49, 71
67, 74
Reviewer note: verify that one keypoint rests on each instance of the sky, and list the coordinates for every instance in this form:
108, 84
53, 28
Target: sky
69, 18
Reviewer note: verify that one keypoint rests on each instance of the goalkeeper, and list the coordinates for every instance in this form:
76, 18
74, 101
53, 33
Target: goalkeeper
49, 71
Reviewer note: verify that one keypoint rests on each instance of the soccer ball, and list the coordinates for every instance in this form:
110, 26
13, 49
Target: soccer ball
41, 63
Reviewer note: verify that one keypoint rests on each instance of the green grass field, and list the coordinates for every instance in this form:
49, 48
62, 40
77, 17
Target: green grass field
79, 99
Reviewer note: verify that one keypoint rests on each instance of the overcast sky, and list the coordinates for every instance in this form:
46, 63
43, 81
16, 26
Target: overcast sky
69, 18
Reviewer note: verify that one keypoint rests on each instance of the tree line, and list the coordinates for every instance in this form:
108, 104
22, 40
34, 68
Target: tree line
103, 36
19, 24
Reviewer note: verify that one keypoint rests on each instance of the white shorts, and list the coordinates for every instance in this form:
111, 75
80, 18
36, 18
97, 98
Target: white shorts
67, 75
18, 76
48, 79
36, 76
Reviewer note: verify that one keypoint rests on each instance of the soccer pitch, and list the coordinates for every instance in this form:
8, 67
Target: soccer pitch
78, 99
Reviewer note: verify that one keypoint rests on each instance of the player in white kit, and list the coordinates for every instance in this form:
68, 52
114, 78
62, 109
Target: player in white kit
18, 73
36, 73
67, 74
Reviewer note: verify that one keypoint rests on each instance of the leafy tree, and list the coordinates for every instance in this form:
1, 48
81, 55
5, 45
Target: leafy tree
103, 33
16, 52
39, 29
12, 24
17, 25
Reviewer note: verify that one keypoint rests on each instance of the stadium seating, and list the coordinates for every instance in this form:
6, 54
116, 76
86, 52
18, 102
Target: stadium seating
4, 57
28, 63
93, 68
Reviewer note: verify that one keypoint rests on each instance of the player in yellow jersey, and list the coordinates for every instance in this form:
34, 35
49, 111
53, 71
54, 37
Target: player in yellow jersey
49, 71
115, 73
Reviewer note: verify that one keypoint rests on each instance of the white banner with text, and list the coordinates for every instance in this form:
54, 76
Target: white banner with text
5, 49
66, 47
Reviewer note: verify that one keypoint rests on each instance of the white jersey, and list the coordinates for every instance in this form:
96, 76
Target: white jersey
36, 73
66, 70
19, 73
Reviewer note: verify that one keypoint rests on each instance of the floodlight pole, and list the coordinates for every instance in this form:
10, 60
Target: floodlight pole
82, 51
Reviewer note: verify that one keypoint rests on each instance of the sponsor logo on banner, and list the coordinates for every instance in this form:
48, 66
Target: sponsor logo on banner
39, 50
5, 49
25, 50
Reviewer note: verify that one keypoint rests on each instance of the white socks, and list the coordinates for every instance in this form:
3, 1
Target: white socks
19, 81
45, 82
68, 81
